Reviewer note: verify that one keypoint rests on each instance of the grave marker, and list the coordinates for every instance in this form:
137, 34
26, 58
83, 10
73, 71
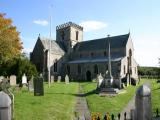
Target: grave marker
12, 80
59, 79
24, 79
38, 86
5, 106
67, 79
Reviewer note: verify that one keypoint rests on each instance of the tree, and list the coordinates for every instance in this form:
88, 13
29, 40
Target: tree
18, 66
10, 44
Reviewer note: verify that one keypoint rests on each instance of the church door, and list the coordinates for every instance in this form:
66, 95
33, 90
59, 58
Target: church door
88, 75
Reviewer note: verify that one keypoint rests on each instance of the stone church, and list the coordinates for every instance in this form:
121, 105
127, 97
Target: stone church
84, 60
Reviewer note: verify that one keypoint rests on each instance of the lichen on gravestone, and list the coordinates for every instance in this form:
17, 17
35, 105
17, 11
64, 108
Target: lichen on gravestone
4, 85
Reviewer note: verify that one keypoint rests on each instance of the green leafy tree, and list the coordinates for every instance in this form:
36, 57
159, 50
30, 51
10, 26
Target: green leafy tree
18, 66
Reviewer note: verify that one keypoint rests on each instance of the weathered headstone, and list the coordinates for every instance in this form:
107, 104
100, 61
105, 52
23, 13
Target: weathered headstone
4, 85
38, 86
24, 79
30, 85
67, 79
143, 103
5, 106
52, 79
1, 78
12, 80
59, 79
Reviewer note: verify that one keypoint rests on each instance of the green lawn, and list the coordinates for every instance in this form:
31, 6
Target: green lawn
114, 105
57, 103
155, 92
102, 105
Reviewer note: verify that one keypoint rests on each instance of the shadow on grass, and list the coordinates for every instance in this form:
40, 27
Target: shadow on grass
77, 95
155, 89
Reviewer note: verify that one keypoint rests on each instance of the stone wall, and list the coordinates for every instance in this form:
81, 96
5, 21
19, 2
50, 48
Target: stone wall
102, 67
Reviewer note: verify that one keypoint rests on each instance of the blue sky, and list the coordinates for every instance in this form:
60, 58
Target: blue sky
99, 18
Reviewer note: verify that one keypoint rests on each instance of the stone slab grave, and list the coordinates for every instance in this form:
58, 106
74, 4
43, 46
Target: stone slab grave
5, 106
100, 79
38, 86
52, 79
1, 78
24, 79
143, 109
30, 85
67, 79
13, 80
59, 79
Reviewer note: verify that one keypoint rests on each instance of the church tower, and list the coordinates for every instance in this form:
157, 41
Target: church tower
68, 34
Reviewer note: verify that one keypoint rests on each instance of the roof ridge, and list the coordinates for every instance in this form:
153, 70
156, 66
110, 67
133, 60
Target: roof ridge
105, 38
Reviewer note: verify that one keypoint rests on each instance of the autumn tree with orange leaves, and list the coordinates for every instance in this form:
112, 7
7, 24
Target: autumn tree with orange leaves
10, 43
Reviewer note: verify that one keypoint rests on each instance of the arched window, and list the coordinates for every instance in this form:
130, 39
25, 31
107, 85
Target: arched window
55, 66
130, 55
92, 54
105, 53
124, 69
80, 55
96, 69
62, 35
68, 69
77, 35
130, 52
79, 69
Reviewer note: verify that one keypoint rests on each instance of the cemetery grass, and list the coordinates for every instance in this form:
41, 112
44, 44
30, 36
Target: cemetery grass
57, 103
155, 93
112, 105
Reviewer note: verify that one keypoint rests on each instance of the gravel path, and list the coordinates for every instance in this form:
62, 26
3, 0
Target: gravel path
81, 107
128, 108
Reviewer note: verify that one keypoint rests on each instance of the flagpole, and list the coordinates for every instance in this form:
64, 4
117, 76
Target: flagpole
50, 37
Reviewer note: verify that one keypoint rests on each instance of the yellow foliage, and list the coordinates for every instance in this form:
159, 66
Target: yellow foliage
10, 43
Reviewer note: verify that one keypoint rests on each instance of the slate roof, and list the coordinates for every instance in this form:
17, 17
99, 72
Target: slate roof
54, 46
102, 43
94, 60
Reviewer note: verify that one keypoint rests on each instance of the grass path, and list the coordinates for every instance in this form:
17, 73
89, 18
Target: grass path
81, 107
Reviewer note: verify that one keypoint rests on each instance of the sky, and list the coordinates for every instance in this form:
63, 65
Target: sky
98, 17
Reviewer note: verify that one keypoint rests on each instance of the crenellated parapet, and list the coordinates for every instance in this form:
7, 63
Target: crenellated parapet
69, 24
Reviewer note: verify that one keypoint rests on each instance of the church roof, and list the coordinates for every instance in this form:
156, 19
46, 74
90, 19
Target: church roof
54, 46
90, 60
102, 43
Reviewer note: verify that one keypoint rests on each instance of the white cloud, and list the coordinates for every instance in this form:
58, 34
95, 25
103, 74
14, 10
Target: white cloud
93, 25
41, 22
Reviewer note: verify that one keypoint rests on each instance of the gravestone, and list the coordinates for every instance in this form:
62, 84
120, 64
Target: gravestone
59, 79
38, 86
5, 106
13, 80
52, 79
1, 78
143, 103
24, 79
30, 85
4, 85
100, 80
67, 79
